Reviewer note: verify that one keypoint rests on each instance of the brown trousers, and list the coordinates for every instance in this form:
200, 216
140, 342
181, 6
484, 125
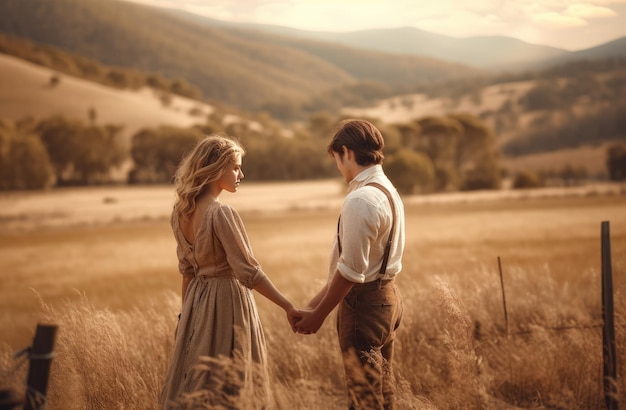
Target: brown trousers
367, 320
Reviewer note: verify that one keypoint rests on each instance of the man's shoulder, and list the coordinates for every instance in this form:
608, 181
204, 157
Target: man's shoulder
366, 194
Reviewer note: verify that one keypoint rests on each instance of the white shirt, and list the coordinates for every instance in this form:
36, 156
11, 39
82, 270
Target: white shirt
365, 224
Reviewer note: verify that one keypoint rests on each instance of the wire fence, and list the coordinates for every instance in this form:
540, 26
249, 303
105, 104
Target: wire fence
39, 356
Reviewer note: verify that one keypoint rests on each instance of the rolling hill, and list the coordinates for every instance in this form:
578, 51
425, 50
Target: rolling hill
484, 52
25, 91
615, 48
251, 70
238, 67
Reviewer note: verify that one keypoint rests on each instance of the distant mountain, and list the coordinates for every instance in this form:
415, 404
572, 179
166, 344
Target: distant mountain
615, 48
484, 52
480, 51
242, 68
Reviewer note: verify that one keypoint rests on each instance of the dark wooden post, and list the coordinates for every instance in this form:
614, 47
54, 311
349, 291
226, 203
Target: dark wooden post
608, 330
41, 353
8, 399
506, 321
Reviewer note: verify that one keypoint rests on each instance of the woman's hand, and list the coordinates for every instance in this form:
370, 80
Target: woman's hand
310, 322
293, 317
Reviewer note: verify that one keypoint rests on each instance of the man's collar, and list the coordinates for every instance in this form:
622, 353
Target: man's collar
367, 172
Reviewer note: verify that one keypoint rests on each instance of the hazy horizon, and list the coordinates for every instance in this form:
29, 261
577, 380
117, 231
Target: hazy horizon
558, 23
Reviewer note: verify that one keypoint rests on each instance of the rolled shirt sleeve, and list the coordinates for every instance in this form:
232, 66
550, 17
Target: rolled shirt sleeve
359, 232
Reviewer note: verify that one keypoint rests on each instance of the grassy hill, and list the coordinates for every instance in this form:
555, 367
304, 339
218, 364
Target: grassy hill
543, 120
241, 68
25, 90
254, 71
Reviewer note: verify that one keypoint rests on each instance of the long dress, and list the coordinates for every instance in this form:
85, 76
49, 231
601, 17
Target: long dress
219, 357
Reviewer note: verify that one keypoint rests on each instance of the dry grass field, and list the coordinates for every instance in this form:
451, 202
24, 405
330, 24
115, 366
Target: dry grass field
100, 263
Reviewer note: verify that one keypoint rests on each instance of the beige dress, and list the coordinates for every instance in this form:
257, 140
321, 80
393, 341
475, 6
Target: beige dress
219, 357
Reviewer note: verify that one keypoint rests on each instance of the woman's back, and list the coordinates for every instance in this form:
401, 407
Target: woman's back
219, 246
219, 319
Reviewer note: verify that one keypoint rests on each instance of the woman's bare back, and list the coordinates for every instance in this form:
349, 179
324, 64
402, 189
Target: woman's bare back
190, 224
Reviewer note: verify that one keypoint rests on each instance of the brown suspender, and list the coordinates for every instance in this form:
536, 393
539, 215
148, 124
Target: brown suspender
383, 266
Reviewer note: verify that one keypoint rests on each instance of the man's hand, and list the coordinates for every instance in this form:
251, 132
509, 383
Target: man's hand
324, 303
310, 322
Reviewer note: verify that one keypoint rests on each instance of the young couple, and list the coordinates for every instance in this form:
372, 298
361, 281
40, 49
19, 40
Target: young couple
219, 318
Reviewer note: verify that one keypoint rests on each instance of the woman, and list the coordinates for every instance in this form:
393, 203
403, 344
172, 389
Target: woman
219, 327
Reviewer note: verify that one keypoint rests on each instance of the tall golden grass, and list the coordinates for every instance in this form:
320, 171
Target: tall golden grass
113, 291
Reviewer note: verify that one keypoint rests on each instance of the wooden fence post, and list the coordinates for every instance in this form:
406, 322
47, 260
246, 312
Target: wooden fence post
9, 399
608, 329
41, 354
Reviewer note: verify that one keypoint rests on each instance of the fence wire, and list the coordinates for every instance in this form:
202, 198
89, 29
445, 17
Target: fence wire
20, 358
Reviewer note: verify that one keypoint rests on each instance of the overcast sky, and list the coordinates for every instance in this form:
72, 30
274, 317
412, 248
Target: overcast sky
571, 25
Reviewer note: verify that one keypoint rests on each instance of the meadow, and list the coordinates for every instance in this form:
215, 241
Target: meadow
100, 263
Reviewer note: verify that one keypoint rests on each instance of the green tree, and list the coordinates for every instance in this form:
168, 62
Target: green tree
280, 158
410, 171
393, 138
616, 161
527, 179
410, 134
321, 126
182, 87
143, 152
97, 152
544, 96
156, 153
438, 140
24, 161
571, 175
175, 143
80, 154
476, 158
60, 137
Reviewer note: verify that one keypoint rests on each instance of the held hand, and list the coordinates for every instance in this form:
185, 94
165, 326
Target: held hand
310, 322
293, 316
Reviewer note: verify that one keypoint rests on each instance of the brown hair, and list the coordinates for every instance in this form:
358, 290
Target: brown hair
360, 136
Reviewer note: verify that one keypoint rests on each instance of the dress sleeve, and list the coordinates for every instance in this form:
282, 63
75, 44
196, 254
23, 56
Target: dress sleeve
232, 234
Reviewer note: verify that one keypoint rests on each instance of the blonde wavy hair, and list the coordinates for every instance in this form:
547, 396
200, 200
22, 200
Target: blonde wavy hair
204, 164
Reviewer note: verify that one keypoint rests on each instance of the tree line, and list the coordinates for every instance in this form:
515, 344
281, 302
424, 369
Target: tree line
431, 154
583, 109
57, 152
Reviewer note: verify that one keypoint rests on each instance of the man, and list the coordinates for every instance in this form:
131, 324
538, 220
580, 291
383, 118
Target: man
360, 282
